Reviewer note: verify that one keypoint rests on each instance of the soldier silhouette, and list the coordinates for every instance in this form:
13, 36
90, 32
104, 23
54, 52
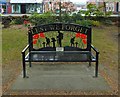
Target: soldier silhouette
47, 41
72, 41
76, 44
43, 44
59, 38
53, 41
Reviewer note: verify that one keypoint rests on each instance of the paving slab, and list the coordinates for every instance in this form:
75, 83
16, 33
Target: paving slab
60, 77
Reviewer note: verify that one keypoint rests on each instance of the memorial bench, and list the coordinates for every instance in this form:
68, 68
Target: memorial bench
57, 52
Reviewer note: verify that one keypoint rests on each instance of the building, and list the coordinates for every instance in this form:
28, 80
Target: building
68, 7
114, 7
54, 6
47, 5
26, 6
80, 7
91, 1
5, 7
2, 6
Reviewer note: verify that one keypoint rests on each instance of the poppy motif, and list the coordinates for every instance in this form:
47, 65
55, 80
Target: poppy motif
78, 35
84, 41
36, 36
35, 42
42, 35
83, 36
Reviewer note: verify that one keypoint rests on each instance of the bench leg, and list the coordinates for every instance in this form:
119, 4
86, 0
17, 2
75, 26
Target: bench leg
24, 67
29, 64
89, 64
89, 59
24, 70
96, 68
30, 60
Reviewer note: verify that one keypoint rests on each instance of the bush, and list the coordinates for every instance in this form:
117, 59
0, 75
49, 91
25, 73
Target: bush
76, 17
25, 17
38, 19
95, 23
86, 23
18, 20
6, 21
66, 18
108, 22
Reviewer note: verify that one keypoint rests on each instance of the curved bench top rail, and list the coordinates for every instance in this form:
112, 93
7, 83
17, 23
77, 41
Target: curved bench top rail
60, 27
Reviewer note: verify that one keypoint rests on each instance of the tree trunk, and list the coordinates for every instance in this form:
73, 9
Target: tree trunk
104, 4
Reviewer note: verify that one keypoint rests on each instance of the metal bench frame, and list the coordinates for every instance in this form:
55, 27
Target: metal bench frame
29, 47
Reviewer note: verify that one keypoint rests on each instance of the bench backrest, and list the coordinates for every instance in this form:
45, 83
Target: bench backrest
47, 28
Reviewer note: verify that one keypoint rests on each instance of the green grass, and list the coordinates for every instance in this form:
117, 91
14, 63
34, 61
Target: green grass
106, 41
13, 42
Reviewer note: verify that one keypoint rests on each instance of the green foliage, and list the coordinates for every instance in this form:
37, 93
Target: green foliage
17, 20
85, 23
66, 18
95, 14
88, 23
91, 9
37, 19
94, 10
6, 21
95, 23
98, 13
76, 17
25, 17
108, 13
12, 22
108, 22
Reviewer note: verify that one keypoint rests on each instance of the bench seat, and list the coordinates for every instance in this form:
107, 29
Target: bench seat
54, 56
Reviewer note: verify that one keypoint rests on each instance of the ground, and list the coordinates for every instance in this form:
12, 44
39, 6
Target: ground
105, 38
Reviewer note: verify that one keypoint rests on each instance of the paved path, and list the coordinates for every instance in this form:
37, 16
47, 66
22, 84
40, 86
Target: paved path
60, 77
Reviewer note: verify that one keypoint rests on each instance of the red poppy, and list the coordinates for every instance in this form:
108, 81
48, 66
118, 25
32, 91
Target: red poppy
83, 36
35, 42
42, 35
36, 36
78, 35
26, 22
84, 41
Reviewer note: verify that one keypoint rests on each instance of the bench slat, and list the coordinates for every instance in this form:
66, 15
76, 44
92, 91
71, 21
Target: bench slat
60, 56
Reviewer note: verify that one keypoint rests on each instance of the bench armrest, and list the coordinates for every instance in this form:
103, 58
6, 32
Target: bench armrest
27, 46
96, 50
